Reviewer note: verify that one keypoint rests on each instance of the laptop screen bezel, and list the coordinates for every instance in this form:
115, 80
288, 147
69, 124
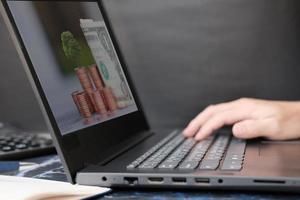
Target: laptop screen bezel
84, 146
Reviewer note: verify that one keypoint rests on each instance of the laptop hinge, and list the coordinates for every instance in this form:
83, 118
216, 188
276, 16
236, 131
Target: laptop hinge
127, 145
121, 148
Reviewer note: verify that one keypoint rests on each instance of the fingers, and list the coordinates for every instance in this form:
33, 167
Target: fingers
219, 120
206, 114
248, 129
251, 118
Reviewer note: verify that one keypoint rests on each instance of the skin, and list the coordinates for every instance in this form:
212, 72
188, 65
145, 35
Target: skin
251, 118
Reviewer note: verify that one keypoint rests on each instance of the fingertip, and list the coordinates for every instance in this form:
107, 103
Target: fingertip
237, 130
187, 133
240, 130
199, 136
185, 130
190, 130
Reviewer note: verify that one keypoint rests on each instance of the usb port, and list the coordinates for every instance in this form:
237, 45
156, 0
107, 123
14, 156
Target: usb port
202, 180
179, 180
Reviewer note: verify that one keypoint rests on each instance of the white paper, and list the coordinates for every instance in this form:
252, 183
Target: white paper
21, 188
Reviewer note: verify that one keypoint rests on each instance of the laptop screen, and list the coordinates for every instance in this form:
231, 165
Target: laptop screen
75, 61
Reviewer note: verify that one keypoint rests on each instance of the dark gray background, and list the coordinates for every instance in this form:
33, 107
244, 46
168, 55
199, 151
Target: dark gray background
186, 54
17, 102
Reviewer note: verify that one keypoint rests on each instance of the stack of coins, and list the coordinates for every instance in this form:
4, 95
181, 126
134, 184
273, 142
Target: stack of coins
86, 84
83, 103
75, 100
84, 79
110, 98
99, 103
96, 77
90, 102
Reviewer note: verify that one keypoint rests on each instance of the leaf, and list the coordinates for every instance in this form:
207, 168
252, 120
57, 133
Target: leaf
70, 46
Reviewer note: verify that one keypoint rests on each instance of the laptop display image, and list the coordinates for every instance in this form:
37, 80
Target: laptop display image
75, 61
78, 71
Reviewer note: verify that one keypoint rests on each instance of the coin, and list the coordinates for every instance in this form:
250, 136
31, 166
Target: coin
82, 99
75, 99
96, 77
84, 79
99, 103
110, 98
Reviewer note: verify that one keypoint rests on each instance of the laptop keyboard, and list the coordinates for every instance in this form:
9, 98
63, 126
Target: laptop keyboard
235, 155
176, 151
215, 153
161, 154
178, 155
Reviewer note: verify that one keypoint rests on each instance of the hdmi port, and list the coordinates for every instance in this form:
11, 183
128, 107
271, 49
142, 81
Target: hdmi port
155, 179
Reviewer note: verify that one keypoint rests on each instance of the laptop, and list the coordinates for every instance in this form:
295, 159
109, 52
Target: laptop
76, 67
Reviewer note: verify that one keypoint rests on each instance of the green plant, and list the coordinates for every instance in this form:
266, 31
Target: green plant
71, 47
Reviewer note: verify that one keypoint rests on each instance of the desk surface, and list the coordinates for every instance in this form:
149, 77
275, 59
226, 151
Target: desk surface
50, 168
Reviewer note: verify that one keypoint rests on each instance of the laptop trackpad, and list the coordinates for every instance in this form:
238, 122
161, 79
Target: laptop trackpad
289, 149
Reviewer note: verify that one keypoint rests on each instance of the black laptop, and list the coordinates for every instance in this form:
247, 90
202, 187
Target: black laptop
72, 58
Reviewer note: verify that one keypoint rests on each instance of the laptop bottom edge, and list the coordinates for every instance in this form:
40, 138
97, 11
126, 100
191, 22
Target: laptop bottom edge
151, 180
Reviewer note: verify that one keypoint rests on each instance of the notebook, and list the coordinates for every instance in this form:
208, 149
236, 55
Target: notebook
22, 188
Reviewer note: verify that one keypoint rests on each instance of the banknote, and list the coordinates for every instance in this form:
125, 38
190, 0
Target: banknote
106, 58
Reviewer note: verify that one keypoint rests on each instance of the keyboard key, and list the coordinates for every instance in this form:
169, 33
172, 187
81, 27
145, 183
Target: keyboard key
196, 155
189, 165
232, 162
178, 155
235, 155
21, 146
139, 160
215, 153
3, 142
168, 165
7, 148
162, 153
232, 167
209, 164
11, 144
35, 144
48, 142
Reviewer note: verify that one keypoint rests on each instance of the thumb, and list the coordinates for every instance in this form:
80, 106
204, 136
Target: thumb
251, 129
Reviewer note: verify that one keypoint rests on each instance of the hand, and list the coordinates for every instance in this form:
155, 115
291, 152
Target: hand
276, 120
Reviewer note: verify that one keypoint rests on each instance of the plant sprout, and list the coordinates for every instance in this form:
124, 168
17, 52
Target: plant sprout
71, 47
